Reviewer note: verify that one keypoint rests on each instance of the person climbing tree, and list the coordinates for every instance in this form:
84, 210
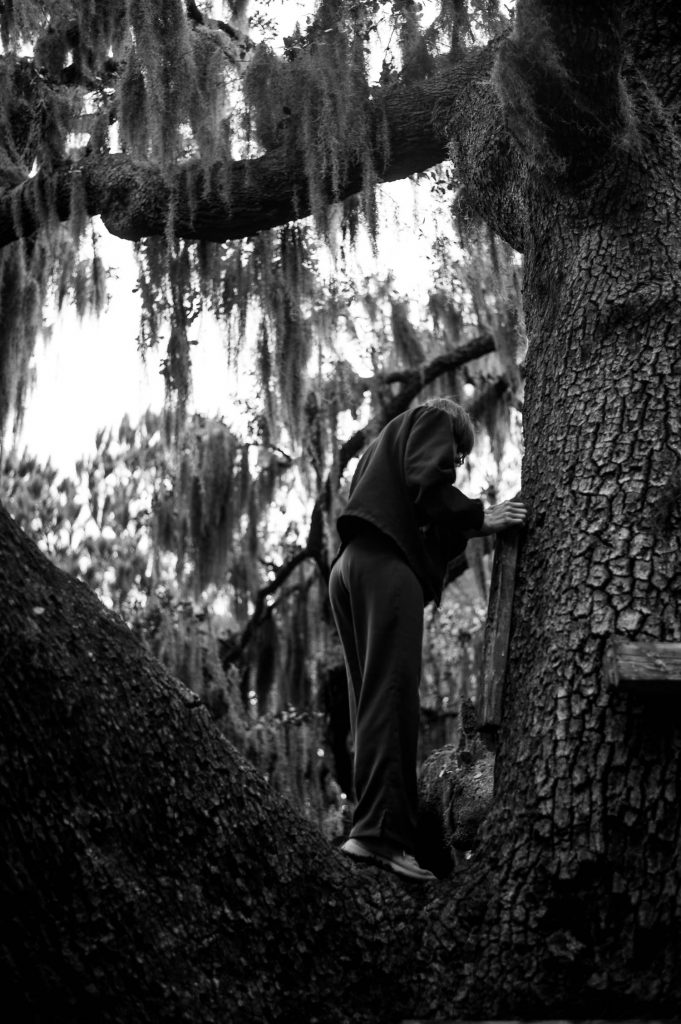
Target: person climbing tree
403, 524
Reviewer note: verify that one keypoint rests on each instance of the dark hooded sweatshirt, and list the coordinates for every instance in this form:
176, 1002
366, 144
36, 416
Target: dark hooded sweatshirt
403, 487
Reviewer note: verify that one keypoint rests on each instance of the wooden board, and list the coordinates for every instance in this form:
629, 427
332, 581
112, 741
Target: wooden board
497, 629
643, 666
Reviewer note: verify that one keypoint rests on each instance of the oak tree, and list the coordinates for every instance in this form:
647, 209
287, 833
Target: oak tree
149, 874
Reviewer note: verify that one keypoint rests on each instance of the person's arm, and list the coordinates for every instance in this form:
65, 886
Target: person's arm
430, 472
450, 509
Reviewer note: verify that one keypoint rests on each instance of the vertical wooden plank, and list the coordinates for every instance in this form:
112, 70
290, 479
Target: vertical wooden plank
497, 629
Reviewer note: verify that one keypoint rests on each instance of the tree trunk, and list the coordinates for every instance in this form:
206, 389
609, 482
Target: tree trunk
577, 878
588, 797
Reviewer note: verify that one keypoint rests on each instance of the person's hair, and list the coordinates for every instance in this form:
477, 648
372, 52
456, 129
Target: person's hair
462, 424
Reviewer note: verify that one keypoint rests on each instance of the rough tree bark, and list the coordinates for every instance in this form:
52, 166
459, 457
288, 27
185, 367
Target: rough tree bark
150, 875
148, 872
583, 838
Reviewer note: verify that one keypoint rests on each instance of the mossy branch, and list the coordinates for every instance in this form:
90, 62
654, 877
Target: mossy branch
413, 381
134, 199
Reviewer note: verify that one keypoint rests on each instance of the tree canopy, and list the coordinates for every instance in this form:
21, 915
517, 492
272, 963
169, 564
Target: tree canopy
180, 133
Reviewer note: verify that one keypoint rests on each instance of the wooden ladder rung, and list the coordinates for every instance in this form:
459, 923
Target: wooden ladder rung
644, 667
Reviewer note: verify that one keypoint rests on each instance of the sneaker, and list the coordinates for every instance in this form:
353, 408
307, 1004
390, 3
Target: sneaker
400, 862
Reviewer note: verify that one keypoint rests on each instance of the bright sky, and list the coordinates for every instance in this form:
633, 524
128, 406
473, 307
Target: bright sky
90, 374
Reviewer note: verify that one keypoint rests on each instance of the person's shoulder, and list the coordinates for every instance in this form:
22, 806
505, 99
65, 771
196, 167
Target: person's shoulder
395, 425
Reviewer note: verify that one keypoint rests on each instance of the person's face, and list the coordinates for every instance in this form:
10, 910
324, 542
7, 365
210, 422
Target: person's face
458, 459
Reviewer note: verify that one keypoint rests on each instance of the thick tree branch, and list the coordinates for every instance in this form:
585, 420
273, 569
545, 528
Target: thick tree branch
413, 382
144, 861
133, 198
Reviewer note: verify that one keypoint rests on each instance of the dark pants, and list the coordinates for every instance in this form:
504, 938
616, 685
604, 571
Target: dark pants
377, 603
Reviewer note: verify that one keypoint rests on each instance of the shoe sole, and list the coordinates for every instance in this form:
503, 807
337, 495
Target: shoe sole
384, 862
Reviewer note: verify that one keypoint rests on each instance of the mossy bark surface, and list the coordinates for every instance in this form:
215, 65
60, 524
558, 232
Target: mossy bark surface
148, 872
